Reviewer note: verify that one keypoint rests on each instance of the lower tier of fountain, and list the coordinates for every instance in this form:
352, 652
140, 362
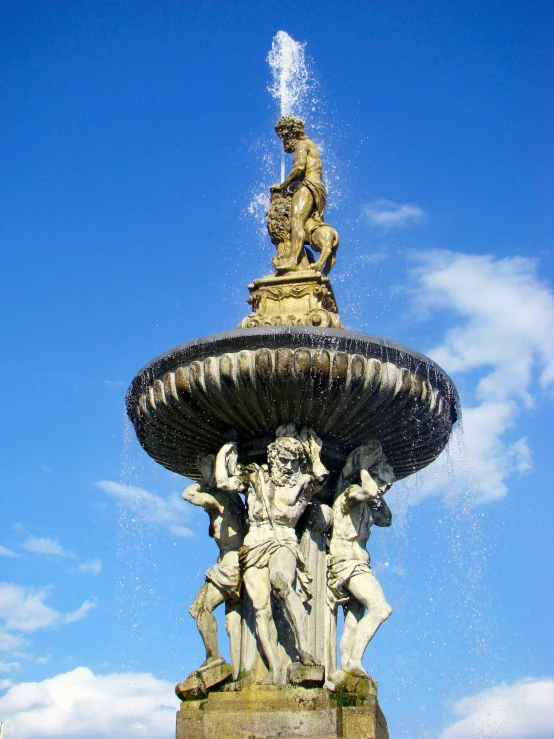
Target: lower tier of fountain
349, 387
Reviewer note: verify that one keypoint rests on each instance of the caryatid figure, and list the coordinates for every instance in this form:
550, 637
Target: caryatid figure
359, 504
310, 196
217, 493
270, 557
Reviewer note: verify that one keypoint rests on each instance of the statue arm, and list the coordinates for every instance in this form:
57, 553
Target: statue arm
298, 169
381, 513
313, 445
195, 495
224, 479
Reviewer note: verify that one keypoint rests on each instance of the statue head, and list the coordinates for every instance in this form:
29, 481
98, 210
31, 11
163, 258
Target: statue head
383, 474
362, 458
290, 129
286, 459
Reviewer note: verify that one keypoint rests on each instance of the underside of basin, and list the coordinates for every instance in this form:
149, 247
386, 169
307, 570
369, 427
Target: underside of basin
243, 384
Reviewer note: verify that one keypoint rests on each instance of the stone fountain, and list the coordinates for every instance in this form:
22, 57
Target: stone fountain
293, 429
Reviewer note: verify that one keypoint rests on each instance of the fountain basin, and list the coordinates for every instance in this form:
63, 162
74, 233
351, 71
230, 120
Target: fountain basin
349, 387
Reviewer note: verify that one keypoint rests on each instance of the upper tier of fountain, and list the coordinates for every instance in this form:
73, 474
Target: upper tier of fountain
347, 386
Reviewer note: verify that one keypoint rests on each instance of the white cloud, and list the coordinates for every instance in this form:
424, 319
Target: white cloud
43, 545
82, 705
10, 643
504, 330
5, 552
23, 609
388, 214
169, 512
524, 710
8, 666
90, 566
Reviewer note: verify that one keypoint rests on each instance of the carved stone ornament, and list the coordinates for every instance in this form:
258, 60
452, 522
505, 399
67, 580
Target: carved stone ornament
297, 299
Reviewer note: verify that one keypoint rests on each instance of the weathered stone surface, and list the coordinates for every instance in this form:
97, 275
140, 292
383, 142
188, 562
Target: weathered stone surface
279, 712
199, 682
190, 720
347, 386
299, 674
364, 722
352, 690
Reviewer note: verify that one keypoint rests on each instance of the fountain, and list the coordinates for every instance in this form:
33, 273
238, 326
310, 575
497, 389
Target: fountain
293, 429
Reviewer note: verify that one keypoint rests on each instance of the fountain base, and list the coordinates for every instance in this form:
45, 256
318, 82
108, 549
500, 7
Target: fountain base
286, 712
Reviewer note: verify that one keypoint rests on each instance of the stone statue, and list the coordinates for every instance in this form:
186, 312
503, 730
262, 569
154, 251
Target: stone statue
217, 493
364, 479
295, 216
270, 557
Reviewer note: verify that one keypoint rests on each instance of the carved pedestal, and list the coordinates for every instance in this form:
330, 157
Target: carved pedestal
285, 712
303, 298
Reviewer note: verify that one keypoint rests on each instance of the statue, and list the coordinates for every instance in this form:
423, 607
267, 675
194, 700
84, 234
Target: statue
270, 557
295, 216
218, 495
364, 479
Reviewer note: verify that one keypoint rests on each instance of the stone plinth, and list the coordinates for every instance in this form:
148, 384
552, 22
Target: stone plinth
303, 298
284, 712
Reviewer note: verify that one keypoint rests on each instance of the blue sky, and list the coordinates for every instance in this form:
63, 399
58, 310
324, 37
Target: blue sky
132, 138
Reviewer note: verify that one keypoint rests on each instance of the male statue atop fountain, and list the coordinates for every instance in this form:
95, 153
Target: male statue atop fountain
364, 479
270, 557
310, 196
217, 493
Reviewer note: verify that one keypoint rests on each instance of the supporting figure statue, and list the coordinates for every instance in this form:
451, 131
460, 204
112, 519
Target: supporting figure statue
270, 557
218, 495
359, 504
307, 202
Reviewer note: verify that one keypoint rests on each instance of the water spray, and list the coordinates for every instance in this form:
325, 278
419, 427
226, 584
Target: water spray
291, 77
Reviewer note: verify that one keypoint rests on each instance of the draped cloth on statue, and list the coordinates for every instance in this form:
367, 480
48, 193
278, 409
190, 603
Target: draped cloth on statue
319, 194
260, 554
227, 577
339, 572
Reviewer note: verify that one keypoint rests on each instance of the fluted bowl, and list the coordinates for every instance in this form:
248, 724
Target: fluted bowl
349, 387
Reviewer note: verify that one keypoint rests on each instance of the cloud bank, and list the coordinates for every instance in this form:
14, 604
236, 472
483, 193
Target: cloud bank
170, 513
22, 609
503, 317
82, 705
524, 710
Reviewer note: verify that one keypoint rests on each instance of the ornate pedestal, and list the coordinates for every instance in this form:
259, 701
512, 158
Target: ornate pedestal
295, 299
285, 712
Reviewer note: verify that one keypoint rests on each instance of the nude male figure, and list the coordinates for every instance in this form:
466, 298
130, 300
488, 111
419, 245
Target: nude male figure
227, 526
270, 556
309, 198
359, 504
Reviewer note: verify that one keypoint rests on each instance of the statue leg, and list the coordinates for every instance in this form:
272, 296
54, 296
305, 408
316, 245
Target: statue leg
282, 572
325, 245
233, 626
208, 599
367, 591
257, 584
301, 206
353, 613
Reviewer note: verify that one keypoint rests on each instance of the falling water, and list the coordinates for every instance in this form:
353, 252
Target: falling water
291, 77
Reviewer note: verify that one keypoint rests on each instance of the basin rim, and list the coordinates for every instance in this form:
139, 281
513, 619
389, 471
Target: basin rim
292, 337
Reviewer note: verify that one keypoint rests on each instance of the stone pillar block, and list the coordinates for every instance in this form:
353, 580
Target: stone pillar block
280, 712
